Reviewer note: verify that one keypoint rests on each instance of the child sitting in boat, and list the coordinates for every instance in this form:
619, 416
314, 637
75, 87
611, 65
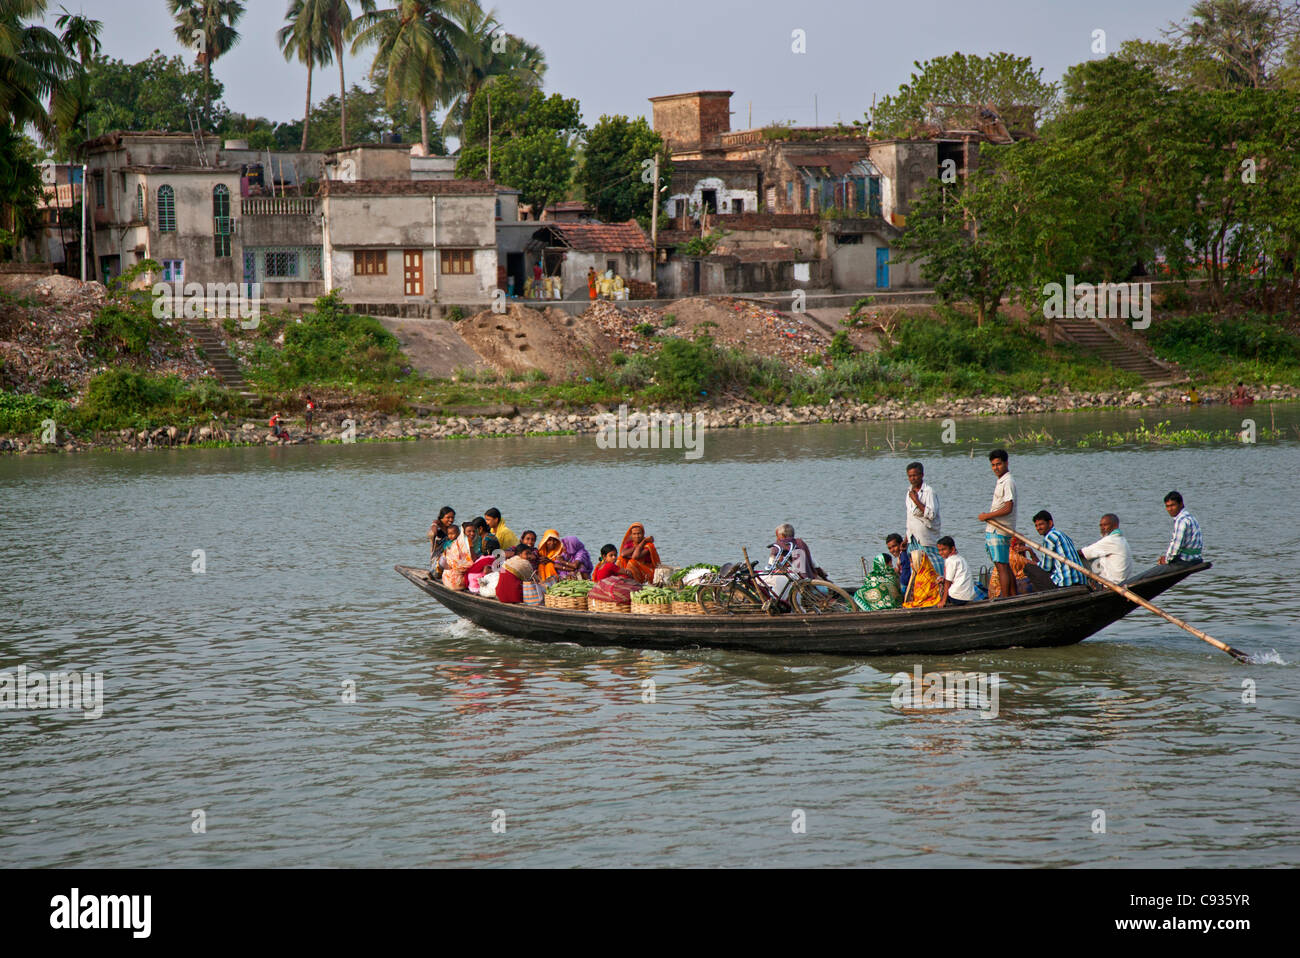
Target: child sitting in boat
608, 564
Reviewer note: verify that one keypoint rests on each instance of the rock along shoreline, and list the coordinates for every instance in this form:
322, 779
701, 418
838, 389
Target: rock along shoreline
505, 422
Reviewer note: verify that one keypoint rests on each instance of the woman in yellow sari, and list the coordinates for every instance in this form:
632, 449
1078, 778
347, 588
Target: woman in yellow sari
460, 557
638, 555
924, 589
548, 550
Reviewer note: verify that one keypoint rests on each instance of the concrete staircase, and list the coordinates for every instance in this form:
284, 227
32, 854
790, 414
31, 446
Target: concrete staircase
1120, 349
214, 351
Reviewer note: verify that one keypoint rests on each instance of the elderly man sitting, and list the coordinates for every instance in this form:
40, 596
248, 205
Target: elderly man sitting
1111, 555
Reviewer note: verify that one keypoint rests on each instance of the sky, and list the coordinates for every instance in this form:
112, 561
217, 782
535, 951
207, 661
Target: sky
613, 54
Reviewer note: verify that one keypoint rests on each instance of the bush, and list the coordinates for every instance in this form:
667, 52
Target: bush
684, 367
645, 329
330, 344
454, 315
1205, 340
23, 413
840, 349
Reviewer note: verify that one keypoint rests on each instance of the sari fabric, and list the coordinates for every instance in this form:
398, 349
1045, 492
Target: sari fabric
925, 583
880, 588
1017, 563
643, 570
575, 551
546, 552
460, 558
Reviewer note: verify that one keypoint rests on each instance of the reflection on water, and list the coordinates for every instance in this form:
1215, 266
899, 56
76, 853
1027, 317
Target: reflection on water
224, 691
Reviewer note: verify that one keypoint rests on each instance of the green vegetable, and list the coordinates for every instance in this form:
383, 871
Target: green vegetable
680, 574
689, 593
570, 588
653, 595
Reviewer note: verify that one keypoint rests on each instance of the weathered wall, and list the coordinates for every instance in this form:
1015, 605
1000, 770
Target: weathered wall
193, 239
369, 221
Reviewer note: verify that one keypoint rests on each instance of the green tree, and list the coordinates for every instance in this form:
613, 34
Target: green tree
415, 49
611, 175
485, 52
20, 189
368, 117
534, 140
33, 62
1246, 41
305, 37
71, 101
207, 27
943, 88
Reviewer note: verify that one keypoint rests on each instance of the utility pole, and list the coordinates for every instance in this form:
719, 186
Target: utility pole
654, 218
84, 168
489, 165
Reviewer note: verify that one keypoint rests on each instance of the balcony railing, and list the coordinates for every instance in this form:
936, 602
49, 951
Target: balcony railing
278, 206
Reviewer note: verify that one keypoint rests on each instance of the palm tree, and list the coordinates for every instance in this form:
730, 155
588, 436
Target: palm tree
32, 64
209, 25
336, 20
417, 46
305, 37
71, 100
486, 53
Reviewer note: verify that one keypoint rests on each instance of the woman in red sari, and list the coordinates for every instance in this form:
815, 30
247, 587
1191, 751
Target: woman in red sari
638, 556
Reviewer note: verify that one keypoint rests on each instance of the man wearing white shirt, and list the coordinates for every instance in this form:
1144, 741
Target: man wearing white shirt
1113, 558
922, 511
958, 587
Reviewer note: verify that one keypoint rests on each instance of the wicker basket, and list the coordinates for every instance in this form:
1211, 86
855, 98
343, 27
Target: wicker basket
651, 608
574, 603
596, 605
687, 608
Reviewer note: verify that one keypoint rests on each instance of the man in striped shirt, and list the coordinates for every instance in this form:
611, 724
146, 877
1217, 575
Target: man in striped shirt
1186, 544
1056, 540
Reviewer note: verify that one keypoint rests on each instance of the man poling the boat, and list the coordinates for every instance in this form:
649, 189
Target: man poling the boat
1134, 597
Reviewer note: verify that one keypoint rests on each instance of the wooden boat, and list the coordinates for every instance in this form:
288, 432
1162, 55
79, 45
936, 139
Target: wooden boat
1038, 620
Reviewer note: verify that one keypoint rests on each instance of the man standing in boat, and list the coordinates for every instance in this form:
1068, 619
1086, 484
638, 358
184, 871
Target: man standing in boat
1004, 510
1186, 545
922, 512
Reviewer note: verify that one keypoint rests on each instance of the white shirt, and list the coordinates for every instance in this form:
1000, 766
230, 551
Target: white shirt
922, 524
1114, 558
957, 572
1003, 492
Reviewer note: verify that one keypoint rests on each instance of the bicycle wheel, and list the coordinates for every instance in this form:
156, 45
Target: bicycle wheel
730, 598
819, 597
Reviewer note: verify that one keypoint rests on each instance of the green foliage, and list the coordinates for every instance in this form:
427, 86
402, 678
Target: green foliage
330, 344
21, 413
840, 348
125, 325
645, 329
533, 140
154, 94
703, 245
1203, 340
455, 314
613, 176
1006, 81
20, 188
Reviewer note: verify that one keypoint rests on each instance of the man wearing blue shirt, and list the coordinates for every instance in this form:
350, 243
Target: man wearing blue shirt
1056, 540
1186, 546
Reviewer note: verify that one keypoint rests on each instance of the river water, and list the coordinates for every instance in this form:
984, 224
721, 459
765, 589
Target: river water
225, 738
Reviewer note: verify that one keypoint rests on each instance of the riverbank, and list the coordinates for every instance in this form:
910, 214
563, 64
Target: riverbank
345, 426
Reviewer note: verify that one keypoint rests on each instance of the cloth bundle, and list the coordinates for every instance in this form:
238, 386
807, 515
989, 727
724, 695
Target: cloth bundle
879, 589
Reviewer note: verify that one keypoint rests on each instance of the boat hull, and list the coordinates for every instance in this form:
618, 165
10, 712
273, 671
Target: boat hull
1039, 620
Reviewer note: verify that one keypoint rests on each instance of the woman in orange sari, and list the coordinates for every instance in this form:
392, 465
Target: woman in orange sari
548, 550
924, 589
638, 555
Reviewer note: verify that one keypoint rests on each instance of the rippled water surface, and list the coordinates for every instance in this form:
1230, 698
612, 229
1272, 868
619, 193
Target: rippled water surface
223, 690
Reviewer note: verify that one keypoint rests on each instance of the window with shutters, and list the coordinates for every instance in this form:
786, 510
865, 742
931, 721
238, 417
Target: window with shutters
370, 262
166, 209
457, 262
139, 202
222, 224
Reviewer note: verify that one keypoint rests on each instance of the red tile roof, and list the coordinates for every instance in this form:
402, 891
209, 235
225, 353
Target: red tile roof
409, 188
602, 237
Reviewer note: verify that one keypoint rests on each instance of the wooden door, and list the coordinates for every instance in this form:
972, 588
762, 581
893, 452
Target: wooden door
413, 272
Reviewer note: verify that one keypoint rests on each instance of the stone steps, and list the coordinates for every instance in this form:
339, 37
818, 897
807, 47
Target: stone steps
214, 351
1092, 338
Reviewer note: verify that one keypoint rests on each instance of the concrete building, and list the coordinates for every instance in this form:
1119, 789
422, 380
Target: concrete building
410, 241
569, 250
861, 188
